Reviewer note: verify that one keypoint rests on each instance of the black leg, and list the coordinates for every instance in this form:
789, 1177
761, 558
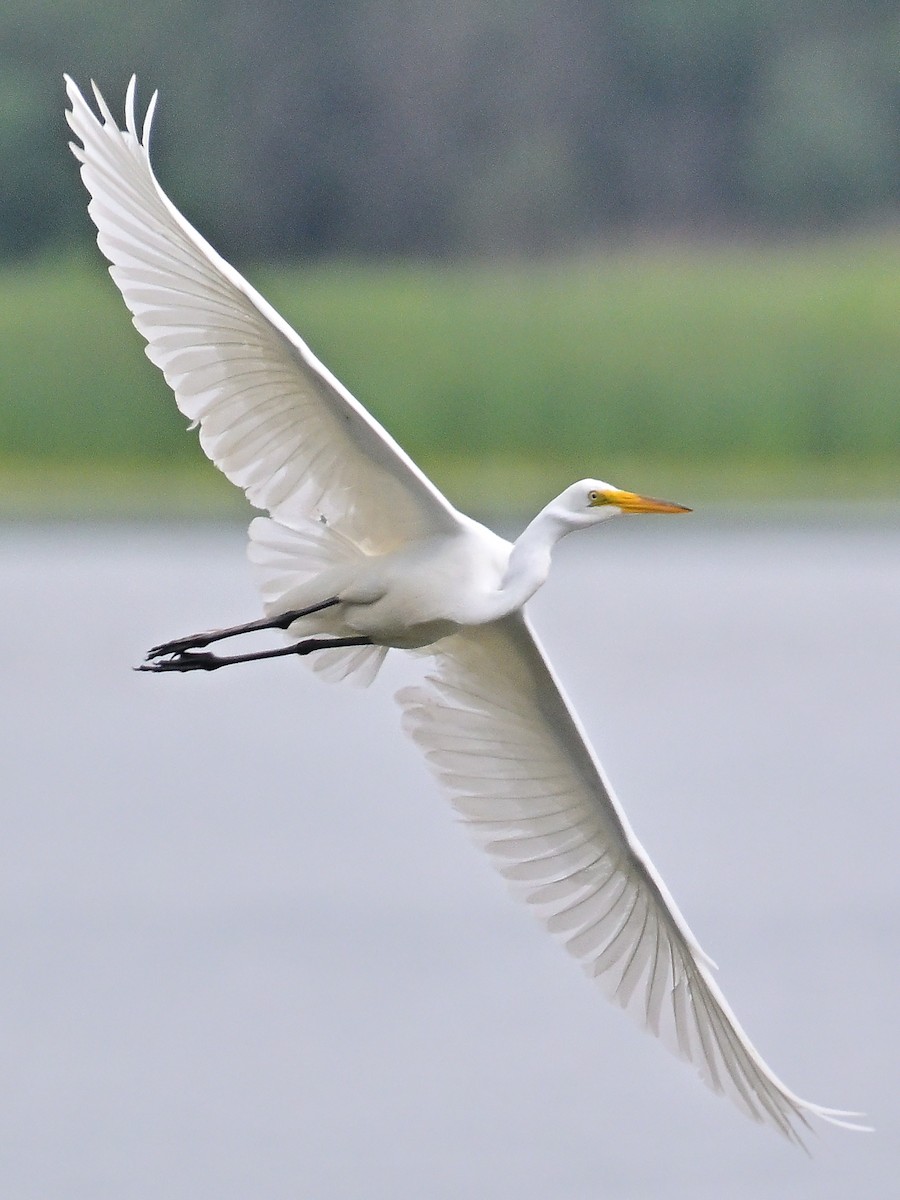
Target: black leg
196, 641
192, 660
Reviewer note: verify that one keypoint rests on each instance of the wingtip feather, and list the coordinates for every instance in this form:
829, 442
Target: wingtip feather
129, 107
148, 120
108, 118
842, 1118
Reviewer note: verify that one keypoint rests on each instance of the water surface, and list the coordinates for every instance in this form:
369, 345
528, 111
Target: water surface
248, 952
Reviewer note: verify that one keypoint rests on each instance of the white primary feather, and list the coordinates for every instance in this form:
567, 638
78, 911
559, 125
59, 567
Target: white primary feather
271, 416
499, 733
492, 720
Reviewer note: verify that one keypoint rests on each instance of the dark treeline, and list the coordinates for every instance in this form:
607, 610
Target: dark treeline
289, 127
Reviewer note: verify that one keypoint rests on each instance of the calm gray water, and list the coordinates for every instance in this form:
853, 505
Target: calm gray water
248, 953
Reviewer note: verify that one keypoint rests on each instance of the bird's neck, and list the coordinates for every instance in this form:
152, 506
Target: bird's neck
529, 562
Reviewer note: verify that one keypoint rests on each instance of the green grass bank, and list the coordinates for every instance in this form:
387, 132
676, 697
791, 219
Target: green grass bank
721, 374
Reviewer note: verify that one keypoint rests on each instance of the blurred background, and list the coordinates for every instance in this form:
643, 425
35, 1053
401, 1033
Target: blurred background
245, 952
655, 242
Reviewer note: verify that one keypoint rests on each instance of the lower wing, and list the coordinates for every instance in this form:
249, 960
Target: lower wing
499, 733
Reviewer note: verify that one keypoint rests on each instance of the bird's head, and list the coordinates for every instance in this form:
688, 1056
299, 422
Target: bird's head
591, 500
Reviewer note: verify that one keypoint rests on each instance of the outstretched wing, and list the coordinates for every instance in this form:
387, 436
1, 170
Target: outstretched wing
271, 416
499, 733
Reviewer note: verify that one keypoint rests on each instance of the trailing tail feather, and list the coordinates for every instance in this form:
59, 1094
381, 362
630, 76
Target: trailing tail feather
295, 568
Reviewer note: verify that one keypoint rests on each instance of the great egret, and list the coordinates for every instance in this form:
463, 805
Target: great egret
360, 553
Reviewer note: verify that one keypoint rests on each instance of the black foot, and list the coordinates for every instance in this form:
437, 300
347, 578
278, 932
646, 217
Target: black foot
192, 660
182, 660
195, 641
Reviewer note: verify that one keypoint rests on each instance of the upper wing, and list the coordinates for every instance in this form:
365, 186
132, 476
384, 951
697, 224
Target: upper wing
499, 733
271, 416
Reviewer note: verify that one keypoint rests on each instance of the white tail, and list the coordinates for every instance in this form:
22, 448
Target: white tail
295, 568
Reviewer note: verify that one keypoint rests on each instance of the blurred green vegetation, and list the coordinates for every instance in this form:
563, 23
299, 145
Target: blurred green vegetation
373, 128
725, 373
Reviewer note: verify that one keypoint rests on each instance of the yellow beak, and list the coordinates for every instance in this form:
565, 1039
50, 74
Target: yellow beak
633, 503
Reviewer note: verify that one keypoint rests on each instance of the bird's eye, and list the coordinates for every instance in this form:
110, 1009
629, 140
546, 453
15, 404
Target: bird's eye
593, 497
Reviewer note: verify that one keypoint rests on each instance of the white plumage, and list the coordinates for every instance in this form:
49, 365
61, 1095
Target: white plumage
358, 534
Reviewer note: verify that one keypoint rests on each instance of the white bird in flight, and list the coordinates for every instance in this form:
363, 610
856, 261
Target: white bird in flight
360, 553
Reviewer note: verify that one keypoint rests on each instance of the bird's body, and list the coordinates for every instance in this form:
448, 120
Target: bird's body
416, 595
432, 587
361, 553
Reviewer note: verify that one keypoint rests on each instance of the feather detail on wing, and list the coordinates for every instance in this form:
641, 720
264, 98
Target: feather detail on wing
500, 735
271, 416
